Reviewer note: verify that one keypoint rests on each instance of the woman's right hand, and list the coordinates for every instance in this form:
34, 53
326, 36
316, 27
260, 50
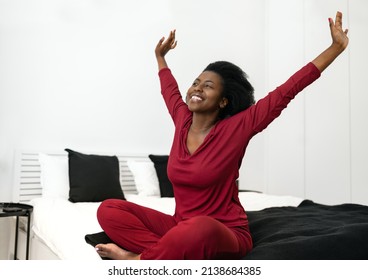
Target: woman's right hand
163, 47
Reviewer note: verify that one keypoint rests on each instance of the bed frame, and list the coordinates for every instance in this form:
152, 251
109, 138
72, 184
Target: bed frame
27, 186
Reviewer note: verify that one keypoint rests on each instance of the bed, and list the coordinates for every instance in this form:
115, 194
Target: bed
282, 227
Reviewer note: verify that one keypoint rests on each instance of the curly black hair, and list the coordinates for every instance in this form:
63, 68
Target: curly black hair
236, 87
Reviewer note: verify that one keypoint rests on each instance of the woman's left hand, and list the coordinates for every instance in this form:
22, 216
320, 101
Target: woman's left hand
339, 36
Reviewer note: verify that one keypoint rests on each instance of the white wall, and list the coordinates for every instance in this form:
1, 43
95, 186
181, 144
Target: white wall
82, 74
358, 102
327, 117
317, 149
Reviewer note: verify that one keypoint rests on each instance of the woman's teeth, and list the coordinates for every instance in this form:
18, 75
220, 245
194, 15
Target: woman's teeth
196, 98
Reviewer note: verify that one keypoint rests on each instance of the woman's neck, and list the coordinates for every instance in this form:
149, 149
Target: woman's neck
202, 124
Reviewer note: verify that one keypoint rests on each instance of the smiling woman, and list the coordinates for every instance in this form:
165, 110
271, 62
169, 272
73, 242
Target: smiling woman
212, 132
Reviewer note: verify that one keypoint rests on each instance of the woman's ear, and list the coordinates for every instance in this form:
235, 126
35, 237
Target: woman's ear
224, 102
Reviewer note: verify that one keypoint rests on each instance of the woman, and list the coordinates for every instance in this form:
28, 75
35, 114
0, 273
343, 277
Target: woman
212, 130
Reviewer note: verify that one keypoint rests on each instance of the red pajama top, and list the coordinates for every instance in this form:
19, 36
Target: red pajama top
204, 183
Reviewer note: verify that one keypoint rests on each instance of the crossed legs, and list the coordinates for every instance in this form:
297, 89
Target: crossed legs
143, 233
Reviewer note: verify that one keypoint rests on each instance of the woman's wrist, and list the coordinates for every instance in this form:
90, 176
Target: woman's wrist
161, 62
337, 48
328, 56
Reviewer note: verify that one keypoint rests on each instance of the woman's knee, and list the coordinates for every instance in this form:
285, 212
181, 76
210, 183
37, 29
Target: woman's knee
204, 223
107, 207
199, 237
201, 228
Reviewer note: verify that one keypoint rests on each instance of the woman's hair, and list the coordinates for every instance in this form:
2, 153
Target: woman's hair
236, 87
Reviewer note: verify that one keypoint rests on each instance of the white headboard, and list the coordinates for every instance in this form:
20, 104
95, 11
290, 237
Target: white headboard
27, 173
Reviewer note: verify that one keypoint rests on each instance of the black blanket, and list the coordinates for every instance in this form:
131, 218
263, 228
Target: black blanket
310, 232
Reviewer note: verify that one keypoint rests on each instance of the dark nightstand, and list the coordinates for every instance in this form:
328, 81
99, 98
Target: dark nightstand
9, 209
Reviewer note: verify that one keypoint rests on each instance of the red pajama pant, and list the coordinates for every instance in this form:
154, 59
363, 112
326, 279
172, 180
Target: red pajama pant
158, 236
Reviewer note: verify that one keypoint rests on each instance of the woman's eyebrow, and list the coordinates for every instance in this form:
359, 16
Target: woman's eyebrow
205, 81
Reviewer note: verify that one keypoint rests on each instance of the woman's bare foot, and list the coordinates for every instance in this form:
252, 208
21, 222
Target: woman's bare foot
113, 251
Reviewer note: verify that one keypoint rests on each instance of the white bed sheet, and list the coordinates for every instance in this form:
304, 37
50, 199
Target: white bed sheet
62, 225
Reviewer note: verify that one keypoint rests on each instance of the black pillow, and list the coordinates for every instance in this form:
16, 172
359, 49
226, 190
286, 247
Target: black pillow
93, 178
160, 163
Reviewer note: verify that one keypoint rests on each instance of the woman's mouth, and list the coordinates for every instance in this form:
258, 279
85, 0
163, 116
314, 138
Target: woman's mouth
196, 98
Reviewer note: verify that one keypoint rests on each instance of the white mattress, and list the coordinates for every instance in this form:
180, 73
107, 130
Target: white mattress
62, 225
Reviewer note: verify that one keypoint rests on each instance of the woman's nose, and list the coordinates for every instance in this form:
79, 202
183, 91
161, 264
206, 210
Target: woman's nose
198, 87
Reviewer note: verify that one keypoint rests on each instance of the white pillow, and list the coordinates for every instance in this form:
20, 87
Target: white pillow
145, 177
54, 176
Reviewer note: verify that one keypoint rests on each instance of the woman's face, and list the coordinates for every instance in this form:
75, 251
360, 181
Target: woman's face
205, 94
